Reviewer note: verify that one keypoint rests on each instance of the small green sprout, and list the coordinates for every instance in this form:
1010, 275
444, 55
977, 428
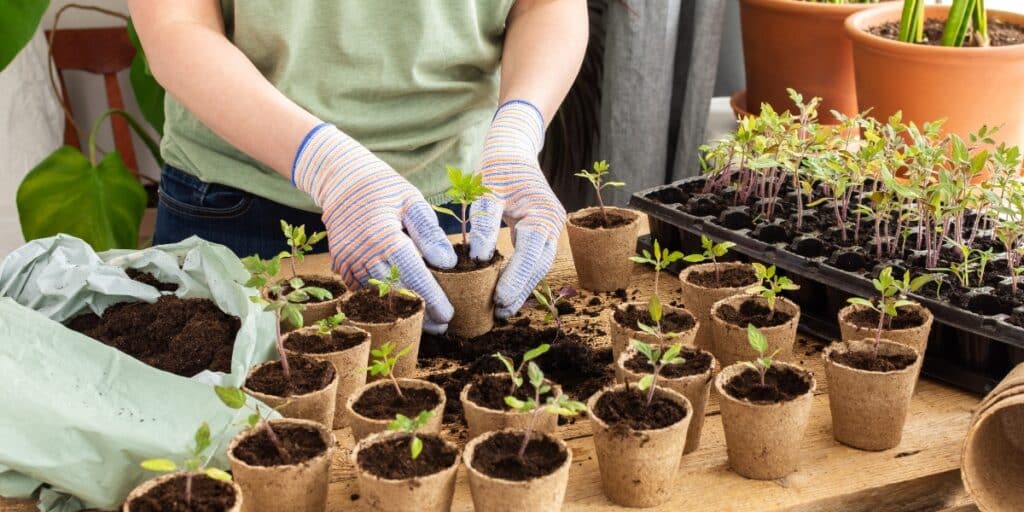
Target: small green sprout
196, 461
383, 363
547, 300
712, 252
390, 286
770, 285
596, 178
559, 404
466, 188
403, 423
759, 343
299, 243
658, 360
892, 295
235, 399
515, 373
660, 260
326, 325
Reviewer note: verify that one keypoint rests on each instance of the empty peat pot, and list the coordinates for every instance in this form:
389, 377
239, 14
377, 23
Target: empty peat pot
485, 410
470, 288
910, 327
167, 492
703, 286
391, 481
498, 482
993, 452
729, 319
309, 393
345, 347
392, 319
600, 251
623, 319
372, 407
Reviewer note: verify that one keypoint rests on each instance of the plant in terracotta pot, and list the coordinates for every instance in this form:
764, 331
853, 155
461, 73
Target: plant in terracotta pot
704, 284
601, 238
890, 315
765, 308
372, 407
765, 407
390, 313
470, 284
402, 469
640, 433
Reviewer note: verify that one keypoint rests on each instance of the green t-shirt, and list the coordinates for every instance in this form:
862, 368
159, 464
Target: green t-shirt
415, 81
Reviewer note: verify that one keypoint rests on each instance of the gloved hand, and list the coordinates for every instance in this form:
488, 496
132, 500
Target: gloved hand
365, 204
522, 197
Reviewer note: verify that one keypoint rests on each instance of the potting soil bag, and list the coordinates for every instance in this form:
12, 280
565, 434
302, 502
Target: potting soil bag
78, 415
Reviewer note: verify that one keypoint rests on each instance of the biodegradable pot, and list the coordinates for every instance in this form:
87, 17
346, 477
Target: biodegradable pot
869, 408
638, 467
913, 337
363, 426
481, 420
696, 388
313, 312
600, 255
763, 440
298, 487
316, 406
621, 334
431, 493
699, 299
1013, 383
472, 295
402, 332
148, 485
993, 456
730, 340
542, 494
349, 365
919, 79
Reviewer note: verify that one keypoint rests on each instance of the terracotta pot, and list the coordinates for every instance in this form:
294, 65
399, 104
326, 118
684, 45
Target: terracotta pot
298, 487
914, 337
313, 312
621, 334
696, 388
699, 299
928, 83
363, 426
402, 332
481, 420
731, 343
869, 408
348, 363
601, 256
763, 441
993, 456
431, 493
542, 494
472, 295
148, 485
638, 468
316, 406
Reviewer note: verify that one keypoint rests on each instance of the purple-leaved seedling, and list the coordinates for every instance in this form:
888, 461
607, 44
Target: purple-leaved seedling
549, 301
196, 461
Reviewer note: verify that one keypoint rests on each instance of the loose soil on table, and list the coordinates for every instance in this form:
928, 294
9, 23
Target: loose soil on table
465, 263
731, 277
337, 341
383, 403
366, 305
307, 375
1000, 33
906, 318
181, 336
497, 457
596, 221
490, 391
300, 442
869, 362
208, 495
753, 312
335, 287
628, 410
151, 280
781, 384
390, 458
695, 362
632, 316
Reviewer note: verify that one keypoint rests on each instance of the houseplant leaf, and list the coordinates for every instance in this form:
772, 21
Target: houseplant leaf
148, 93
17, 25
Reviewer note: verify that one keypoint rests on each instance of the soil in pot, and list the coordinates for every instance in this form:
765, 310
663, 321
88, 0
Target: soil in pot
307, 375
334, 286
208, 495
465, 263
383, 402
907, 317
390, 458
1000, 33
673, 321
781, 384
497, 457
367, 306
629, 410
753, 312
874, 363
695, 362
312, 343
594, 220
301, 443
727, 277
490, 391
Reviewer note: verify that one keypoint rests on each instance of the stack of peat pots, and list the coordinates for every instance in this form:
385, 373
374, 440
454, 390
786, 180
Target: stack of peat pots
993, 453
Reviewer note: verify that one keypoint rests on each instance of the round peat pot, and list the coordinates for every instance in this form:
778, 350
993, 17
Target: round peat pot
363, 425
731, 343
416, 485
535, 493
481, 419
313, 312
403, 331
763, 438
915, 337
601, 255
691, 379
869, 406
317, 405
1012, 381
344, 350
154, 494
993, 455
673, 319
472, 295
299, 486
700, 292
638, 466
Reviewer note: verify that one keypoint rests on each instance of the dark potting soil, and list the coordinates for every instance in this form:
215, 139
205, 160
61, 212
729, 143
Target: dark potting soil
731, 277
498, 457
596, 221
753, 312
335, 287
390, 458
366, 305
181, 336
1000, 33
867, 361
300, 443
628, 409
150, 279
631, 316
467, 264
696, 362
781, 384
337, 341
490, 391
307, 375
383, 403
906, 318
208, 495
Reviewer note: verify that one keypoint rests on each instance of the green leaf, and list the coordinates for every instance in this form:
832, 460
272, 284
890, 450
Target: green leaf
694, 258
515, 403
672, 352
654, 308
536, 376
645, 382
232, 397
159, 465
318, 293
149, 95
757, 339
861, 302
202, 438
218, 474
446, 211
536, 352
18, 24
253, 419
293, 314
415, 447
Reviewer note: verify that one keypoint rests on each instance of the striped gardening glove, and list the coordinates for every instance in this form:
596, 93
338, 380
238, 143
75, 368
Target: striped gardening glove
365, 205
522, 197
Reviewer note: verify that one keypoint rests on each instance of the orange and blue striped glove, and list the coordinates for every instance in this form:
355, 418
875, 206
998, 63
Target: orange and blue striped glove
521, 196
365, 205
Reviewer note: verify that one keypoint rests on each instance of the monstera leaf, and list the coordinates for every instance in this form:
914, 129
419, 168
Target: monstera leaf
18, 22
148, 93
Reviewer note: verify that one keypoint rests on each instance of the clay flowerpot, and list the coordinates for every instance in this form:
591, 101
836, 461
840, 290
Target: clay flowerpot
869, 408
763, 440
730, 340
699, 297
673, 319
201, 485
993, 455
431, 492
315, 405
481, 419
543, 493
472, 295
601, 255
313, 312
696, 387
638, 467
403, 331
920, 79
914, 337
299, 486
347, 348
363, 426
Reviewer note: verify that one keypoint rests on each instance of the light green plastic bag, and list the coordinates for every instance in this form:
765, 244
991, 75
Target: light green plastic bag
78, 415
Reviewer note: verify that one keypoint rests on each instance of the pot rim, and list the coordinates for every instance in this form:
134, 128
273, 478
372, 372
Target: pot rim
376, 437
849, 308
149, 484
972, 430
685, 273
780, 300
464, 397
418, 383
419, 313
499, 258
732, 370
309, 329
809, 8
673, 394
469, 450
826, 356
257, 394
631, 351
633, 215
325, 434
665, 308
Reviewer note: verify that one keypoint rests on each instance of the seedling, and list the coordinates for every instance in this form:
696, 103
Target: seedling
892, 294
597, 179
660, 260
770, 285
966, 17
465, 189
658, 360
383, 363
758, 342
326, 325
559, 405
403, 423
196, 461
235, 399
549, 301
299, 243
391, 286
515, 373
712, 252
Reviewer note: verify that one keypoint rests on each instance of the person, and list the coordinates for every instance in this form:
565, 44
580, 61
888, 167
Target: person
342, 115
